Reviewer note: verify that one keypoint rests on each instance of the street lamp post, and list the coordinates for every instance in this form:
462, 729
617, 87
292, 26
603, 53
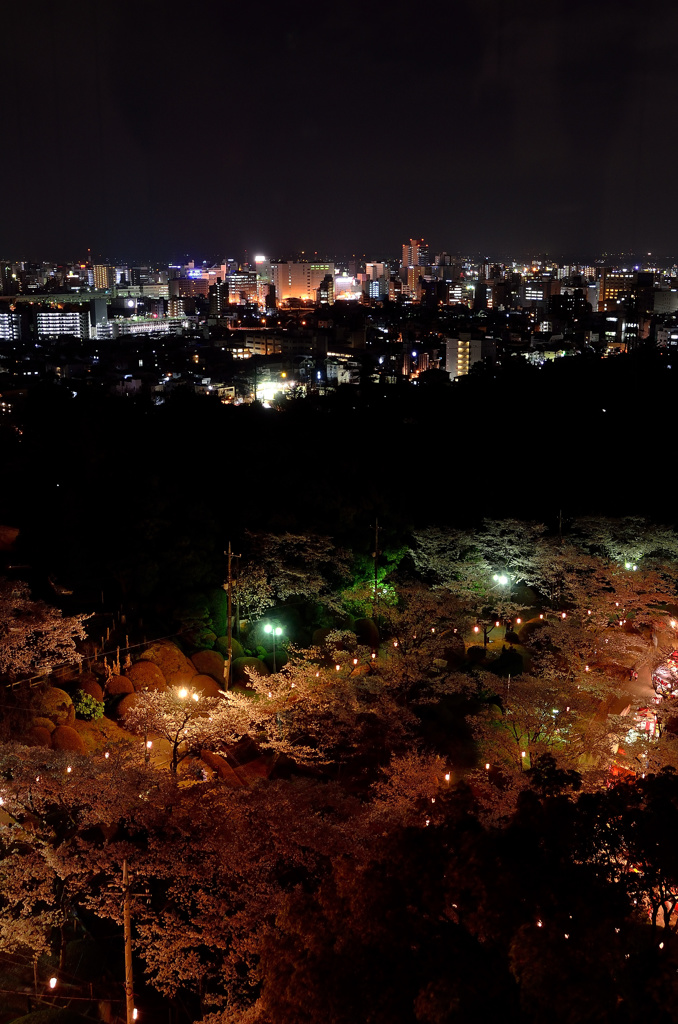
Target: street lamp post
274, 631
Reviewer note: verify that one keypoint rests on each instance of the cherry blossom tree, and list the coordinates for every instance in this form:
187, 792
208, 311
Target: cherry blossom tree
295, 566
34, 637
61, 844
327, 707
189, 721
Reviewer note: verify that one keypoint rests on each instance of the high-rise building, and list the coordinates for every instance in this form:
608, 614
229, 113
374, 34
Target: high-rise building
326, 290
299, 280
218, 294
615, 288
98, 317
463, 352
103, 276
188, 287
416, 254
243, 286
9, 284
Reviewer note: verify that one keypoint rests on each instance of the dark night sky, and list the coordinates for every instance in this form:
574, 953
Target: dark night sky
156, 128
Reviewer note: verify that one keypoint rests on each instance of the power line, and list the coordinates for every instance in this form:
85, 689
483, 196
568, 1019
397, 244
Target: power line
96, 657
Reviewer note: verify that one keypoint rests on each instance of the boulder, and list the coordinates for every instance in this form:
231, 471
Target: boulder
117, 685
205, 685
66, 738
210, 663
145, 675
56, 705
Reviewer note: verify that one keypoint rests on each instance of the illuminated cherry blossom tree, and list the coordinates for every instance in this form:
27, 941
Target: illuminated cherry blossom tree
34, 637
189, 721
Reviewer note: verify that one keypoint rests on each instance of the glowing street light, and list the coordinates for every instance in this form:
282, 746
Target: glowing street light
274, 631
52, 983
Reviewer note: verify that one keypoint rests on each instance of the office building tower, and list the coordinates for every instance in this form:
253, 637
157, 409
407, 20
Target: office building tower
299, 280
243, 287
9, 284
218, 295
416, 254
98, 317
103, 276
326, 290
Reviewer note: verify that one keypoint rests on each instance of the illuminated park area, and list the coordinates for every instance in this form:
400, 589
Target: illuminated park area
470, 736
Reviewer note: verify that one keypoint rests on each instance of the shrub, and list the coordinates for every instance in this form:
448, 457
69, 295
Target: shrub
145, 675
56, 705
221, 645
66, 738
87, 707
117, 685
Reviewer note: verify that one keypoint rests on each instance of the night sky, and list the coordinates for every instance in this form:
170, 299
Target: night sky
157, 129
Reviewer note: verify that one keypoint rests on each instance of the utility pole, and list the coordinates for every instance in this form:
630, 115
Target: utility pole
127, 931
560, 526
376, 565
229, 629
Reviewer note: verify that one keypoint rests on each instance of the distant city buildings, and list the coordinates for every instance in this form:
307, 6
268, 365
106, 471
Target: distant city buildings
146, 330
